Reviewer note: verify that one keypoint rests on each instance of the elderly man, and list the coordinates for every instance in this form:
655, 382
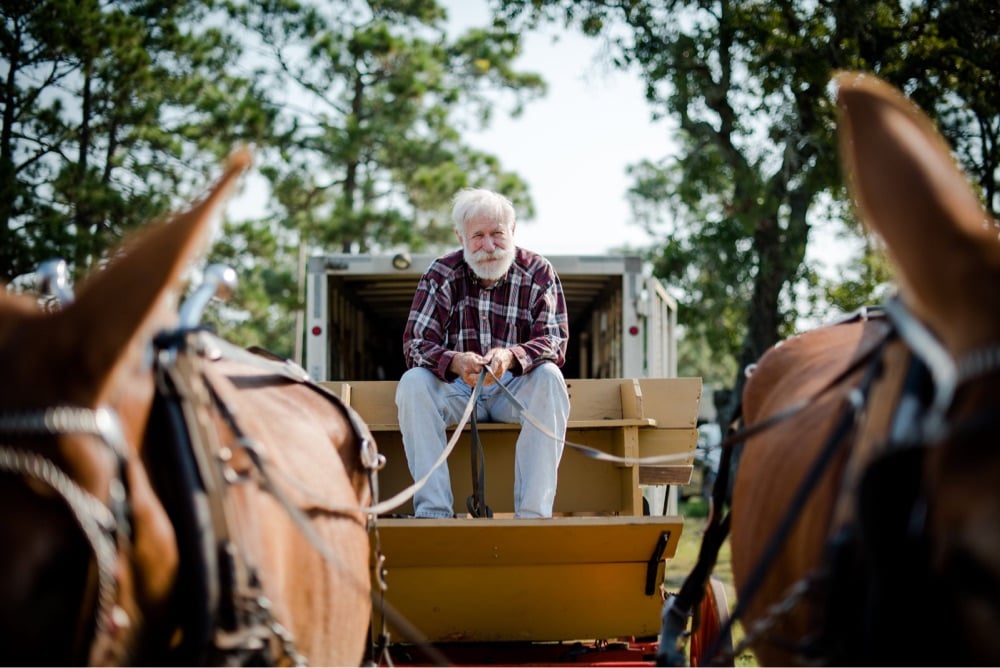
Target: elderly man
494, 305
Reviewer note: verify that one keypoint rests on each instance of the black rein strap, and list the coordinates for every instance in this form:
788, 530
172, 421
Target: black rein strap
476, 503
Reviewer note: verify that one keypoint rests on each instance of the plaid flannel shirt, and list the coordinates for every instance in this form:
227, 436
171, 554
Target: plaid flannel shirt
452, 312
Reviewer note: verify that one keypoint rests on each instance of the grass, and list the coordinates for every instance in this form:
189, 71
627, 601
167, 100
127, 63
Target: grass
695, 513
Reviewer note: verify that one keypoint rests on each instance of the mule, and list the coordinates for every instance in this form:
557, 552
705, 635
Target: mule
168, 498
891, 554
863, 515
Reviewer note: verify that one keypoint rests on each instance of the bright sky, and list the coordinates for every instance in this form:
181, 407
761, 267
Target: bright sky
573, 145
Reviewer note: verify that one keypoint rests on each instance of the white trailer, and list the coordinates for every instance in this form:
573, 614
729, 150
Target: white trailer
622, 322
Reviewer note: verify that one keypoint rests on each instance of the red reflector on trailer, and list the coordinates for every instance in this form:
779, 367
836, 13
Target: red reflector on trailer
317, 330
633, 330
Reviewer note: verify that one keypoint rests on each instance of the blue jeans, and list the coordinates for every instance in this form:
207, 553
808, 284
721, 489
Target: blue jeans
427, 405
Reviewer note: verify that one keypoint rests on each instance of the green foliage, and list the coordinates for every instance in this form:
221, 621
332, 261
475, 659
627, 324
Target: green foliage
103, 121
116, 112
746, 85
951, 68
371, 149
370, 99
869, 283
262, 312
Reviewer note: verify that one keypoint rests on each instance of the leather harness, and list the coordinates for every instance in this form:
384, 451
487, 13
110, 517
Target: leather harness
228, 619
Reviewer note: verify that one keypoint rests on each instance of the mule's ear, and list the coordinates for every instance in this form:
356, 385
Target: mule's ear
136, 291
909, 189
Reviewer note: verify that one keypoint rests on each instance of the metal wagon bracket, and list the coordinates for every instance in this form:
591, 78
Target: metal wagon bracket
654, 562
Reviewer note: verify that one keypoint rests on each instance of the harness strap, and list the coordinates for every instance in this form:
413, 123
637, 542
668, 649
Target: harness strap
370, 458
679, 607
476, 503
744, 433
734, 438
214, 348
182, 380
243, 625
262, 358
926, 346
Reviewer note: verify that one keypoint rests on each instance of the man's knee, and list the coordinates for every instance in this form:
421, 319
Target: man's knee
415, 382
547, 373
548, 379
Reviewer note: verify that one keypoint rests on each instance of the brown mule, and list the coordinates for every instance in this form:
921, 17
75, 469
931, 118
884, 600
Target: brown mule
894, 555
168, 498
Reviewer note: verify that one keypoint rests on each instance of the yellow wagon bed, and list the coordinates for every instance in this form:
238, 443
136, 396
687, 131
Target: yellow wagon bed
593, 571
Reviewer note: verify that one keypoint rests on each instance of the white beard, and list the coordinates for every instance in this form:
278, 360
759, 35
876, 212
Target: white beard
488, 270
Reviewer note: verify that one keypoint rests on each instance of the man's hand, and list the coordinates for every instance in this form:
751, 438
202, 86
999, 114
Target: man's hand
499, 361
469, 365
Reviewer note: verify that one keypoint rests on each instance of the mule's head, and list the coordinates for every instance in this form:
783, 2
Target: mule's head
946, 252
89, 554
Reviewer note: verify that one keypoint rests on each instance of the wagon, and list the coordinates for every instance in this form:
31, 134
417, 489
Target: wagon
583, 586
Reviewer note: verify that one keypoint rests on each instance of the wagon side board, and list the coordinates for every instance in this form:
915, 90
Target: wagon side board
512, 580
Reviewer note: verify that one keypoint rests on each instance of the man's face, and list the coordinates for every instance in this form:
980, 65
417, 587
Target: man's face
488, 247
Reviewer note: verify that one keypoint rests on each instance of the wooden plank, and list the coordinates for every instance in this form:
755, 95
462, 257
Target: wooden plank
657, 442
511, 541
628, 447
631, 398
573, 425
374, 400
667, 402
594, 399
585, 484
665, 475
341, 389
610, 424
672, 402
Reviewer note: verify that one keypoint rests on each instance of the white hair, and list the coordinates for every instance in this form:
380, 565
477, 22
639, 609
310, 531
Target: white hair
479, 202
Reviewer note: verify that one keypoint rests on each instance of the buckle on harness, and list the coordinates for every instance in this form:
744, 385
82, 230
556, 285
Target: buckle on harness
371, 458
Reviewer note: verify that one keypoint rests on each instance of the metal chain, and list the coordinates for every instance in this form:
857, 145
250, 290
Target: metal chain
61, 420
764, 625
99, 422
382, 644
95, 519
286, 640
977, 363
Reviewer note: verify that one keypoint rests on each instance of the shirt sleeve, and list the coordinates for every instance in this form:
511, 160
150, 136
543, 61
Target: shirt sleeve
549, 328
426, 327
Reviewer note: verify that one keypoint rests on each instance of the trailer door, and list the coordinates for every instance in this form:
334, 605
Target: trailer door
660, 331
317, 321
